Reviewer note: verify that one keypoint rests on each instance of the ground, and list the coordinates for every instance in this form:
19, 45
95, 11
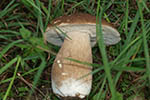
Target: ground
26, 58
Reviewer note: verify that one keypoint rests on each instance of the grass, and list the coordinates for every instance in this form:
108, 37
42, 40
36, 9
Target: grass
102, 49
120, 71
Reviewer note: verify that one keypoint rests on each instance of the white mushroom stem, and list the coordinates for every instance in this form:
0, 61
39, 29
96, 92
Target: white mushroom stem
68, 76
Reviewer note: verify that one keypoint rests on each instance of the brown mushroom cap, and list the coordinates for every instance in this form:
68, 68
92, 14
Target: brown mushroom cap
80, 22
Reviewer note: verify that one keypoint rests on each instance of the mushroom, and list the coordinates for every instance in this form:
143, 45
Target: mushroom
69, 78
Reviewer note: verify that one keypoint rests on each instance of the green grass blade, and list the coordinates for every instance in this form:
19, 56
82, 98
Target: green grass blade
25, 74
101, 90
126, 16
103, 52
8, 65
40, 21
9, 31
76, 5
62, 6
38, 74
125, 50
132, 28
48, 14
13, 78
8, 47
145, 45
129, 68
7, 9
145, 6
33, 4
40, 70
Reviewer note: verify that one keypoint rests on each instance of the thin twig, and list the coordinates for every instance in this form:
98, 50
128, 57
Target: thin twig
30, 85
